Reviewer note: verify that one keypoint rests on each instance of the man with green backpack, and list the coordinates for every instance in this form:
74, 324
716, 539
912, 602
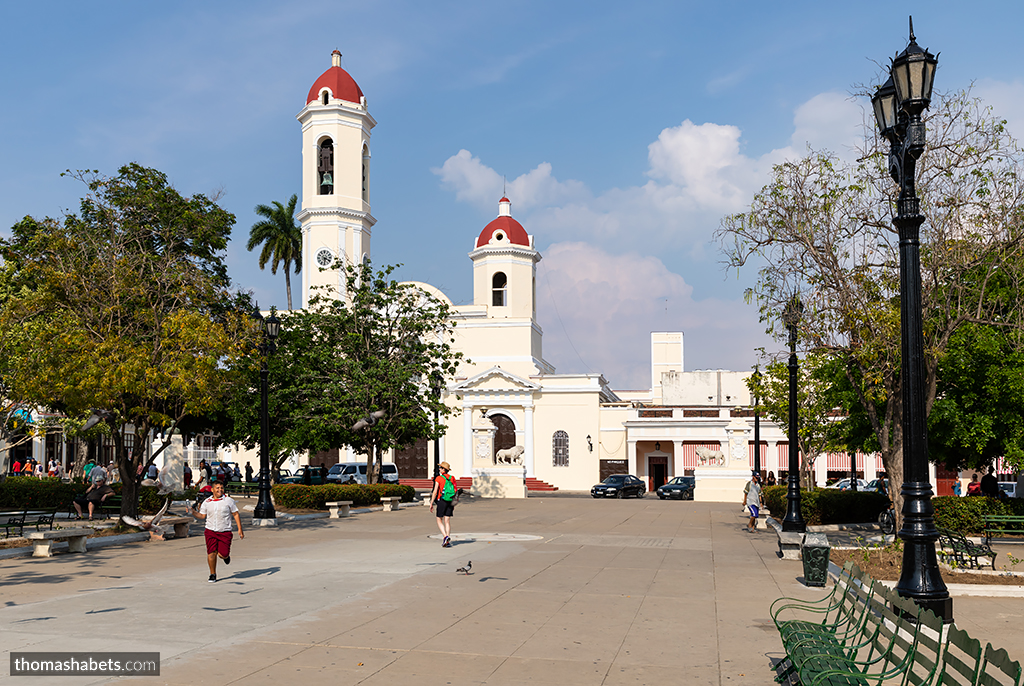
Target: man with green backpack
443, 496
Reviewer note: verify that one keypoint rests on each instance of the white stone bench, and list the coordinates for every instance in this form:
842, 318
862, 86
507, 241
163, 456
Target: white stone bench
340, 508
43, 540
390, 502
180, 525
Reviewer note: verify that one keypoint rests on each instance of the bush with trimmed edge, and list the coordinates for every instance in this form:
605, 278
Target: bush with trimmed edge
299, 496
964, 514
20, 492
827, 505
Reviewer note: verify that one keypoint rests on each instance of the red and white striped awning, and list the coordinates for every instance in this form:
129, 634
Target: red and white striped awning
764, 454
840, 461
690, 459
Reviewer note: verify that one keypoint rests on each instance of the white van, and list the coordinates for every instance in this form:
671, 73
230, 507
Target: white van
342, 472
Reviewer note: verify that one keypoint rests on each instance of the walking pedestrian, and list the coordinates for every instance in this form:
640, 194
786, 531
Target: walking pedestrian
218, 510
442, 497
752, 498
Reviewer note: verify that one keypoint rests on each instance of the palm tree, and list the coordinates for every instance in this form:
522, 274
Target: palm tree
281, 238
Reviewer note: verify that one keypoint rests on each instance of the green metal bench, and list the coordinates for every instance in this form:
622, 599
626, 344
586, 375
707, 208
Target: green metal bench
13, 522
865, 633
963, 552
1002, 525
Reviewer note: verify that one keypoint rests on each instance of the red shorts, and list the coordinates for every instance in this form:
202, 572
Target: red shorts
218, 542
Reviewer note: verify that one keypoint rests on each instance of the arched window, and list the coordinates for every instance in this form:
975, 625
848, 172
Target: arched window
366, 174
325, 166
323, 98
499, 290
560, 449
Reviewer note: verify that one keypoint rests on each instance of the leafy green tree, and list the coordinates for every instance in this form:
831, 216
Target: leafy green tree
124, 308
281, 238
820, 422
824, 227
977, 413
367, 353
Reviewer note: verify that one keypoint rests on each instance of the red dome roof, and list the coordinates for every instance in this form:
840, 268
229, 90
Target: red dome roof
513, 230
339, 82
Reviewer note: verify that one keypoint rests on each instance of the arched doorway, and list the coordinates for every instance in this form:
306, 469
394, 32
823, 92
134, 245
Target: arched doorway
505, 436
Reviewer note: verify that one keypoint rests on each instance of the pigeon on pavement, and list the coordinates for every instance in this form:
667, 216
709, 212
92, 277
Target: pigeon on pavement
465, 570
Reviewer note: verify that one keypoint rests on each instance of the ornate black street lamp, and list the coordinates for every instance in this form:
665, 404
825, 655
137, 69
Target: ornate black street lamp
264, 514
794, 520
756, 378
853, 469
898, 106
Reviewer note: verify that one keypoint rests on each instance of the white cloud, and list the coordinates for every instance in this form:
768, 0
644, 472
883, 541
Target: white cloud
479, 185
614, 259
598, 310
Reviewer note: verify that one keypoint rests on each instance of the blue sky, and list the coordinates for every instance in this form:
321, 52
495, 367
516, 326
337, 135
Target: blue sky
625, 131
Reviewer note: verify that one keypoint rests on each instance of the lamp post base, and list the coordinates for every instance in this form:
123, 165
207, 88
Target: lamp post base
264, 522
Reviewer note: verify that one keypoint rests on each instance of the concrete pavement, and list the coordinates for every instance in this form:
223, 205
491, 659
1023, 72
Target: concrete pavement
611, 592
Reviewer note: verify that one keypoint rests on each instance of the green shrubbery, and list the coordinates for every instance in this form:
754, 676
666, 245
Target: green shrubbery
964, 514
828, 505
298, 496
20, 492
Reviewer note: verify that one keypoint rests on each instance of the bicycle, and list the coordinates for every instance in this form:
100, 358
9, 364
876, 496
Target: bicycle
887, 520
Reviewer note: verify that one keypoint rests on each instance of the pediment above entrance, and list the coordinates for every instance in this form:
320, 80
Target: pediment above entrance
496, 379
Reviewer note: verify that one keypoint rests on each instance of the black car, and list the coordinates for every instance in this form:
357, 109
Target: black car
619, 486
680, 488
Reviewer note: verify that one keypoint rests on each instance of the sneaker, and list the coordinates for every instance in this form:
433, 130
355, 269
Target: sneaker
227, 560
213, 578
447, 542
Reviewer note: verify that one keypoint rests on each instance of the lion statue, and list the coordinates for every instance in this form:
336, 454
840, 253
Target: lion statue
513, 455
715, 458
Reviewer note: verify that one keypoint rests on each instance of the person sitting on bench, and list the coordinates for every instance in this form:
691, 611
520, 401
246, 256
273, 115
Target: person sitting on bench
97, 492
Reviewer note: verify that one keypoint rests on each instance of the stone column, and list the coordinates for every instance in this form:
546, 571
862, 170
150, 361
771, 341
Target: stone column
677, 458
631, 457
528, 456
467, 440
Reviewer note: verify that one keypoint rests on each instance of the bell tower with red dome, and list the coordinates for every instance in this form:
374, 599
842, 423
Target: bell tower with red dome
335, 216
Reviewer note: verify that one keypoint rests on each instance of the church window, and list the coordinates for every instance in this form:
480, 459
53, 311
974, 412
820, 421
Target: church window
325, 167
499, 290
366, 174
323, 97
560, 449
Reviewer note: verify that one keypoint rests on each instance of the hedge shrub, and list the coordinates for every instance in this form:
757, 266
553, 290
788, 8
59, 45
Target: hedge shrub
19, 492
828, 505
964, 514
299, 496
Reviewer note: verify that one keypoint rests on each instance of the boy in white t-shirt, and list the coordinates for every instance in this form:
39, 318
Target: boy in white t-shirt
218, 510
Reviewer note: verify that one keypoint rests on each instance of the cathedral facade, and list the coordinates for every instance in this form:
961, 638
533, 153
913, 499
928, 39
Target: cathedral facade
568, 430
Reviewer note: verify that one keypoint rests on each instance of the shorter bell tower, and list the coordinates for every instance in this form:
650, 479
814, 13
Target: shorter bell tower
505, 284
335, 216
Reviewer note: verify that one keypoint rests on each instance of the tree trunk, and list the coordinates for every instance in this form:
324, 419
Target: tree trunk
81, 456
288, 285
372, 472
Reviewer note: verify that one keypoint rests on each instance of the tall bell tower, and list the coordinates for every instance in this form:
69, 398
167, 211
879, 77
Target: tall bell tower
335, 215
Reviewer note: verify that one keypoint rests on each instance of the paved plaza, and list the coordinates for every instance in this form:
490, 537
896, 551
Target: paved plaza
564, 590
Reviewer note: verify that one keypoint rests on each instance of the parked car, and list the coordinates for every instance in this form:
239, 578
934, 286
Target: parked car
619, 486
343, 472
878, 486
299, 477
1008, 489
844, 485
680, 488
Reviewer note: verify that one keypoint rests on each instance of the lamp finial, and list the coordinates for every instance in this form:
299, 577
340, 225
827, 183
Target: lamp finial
912, 39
